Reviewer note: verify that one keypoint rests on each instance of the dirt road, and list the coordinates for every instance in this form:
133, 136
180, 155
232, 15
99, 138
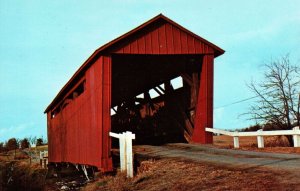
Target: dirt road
228, 157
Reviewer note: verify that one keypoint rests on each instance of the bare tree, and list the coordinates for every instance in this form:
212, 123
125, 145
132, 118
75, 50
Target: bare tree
278, 96
32, 140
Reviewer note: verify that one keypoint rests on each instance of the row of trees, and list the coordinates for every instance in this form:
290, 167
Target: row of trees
14, 143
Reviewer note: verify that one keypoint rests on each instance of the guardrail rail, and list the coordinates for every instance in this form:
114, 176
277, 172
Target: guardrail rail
295, 132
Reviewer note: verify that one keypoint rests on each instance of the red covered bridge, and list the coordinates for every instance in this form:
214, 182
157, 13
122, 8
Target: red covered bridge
110, 92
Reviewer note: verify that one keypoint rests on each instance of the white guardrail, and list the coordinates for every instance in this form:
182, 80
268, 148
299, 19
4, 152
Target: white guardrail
260, 134
126, 158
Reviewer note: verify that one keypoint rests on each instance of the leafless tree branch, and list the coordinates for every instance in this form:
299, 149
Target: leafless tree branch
278, 95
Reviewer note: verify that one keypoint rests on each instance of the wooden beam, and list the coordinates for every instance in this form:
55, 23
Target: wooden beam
188, 125
161, 89
114, 110
158, 91
194, 94
191, 108
196, 82
187, 79
168, 87
118, 108
186, 134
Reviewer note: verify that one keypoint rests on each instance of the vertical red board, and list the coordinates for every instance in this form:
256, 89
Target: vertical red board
169, 39
155, 42
148, 42
90, 112
68, 135
95, 89
106, 161
55, 136
176, 40
134, 47
57, 129
204, 108
191, 44
127, 49
184, 43
198, 48
102, 102
49, 135
141, 45
162, 39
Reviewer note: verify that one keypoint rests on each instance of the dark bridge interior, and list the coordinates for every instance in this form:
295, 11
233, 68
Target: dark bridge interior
169, 117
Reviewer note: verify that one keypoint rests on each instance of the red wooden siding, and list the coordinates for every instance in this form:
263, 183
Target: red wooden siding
78, 133
204, 108
164, 39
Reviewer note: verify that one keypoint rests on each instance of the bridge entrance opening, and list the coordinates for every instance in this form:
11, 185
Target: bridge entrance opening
155, 96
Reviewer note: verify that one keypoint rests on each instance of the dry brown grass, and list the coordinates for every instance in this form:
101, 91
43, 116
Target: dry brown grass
270, 141
275, 144
167, 174
277, 141
171, 174
224, 141
118, 182
19, 175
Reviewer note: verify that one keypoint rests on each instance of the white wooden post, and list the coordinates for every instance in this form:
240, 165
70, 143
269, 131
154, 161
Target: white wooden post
41, 154
126, 158
122, 148
129, 157
236, 142
296, 137
260, 140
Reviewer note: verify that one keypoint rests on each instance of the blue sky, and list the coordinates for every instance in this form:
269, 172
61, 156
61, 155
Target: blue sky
42, 43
